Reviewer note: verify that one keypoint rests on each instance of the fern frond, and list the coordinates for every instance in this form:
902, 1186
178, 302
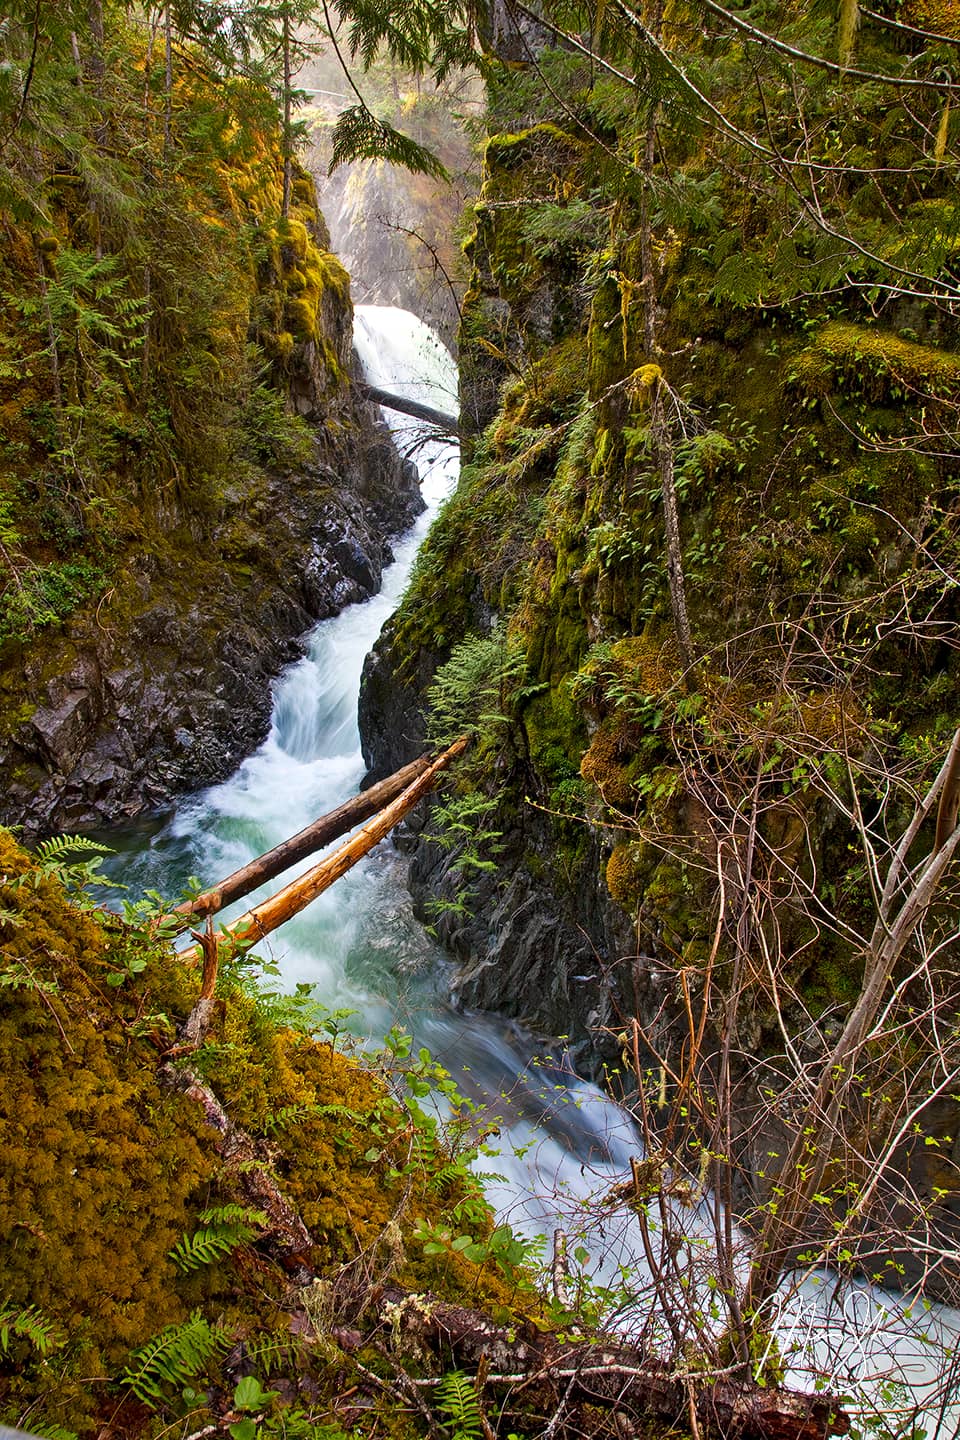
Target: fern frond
59, 846
17, 975
294, 1114
468, 692
225, 1227
289, 1115
191, 1252
360, 135
31, 1325
232, 1215
458, 1404
177, 1355
272, 1354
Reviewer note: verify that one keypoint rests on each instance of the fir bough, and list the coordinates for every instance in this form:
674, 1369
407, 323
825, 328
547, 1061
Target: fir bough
360, 135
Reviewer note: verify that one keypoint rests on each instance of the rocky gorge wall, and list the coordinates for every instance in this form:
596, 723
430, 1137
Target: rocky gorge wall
188, 478
665, 826
554, 543
164, 685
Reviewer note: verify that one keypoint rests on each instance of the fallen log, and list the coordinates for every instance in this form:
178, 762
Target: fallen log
528, 1365
315, 836
444, 421
287, 1237
255, 924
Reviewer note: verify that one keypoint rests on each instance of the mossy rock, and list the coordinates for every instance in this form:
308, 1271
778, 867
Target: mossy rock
629, 866
876, 362
606, 765
104, 1168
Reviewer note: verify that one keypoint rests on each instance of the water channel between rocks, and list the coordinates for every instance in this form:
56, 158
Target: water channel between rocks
360, 948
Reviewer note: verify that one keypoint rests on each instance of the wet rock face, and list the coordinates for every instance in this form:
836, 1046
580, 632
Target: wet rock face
167, 686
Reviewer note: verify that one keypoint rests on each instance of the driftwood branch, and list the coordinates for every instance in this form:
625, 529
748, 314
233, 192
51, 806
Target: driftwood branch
255, 924
320, 832
194, 1029
528, 1362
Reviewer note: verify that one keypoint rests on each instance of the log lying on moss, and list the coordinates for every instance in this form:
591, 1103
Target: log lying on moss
288, 1238
320, 832
530, 1367
257, 923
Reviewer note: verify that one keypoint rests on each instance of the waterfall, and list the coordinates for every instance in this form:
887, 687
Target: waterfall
563, 1144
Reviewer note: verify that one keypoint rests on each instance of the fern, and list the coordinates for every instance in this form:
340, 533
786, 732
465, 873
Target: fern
55, 862
58, 847
295, 1114
458, 1404
225, 1228
272, 1354
16, 974
31, 1325
179, 1354
468, 694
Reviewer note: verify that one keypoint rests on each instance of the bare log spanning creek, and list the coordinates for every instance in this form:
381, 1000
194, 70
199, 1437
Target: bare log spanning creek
359, 949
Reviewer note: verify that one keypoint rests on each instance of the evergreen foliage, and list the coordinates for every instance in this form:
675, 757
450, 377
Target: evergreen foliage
147, 316
360, 135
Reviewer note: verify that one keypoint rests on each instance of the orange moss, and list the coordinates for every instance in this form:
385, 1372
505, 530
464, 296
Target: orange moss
605, 765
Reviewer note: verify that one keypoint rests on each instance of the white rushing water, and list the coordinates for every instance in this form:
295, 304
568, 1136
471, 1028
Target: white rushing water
562, 1143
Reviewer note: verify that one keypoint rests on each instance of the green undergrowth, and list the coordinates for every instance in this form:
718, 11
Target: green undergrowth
154, 309
134, 1260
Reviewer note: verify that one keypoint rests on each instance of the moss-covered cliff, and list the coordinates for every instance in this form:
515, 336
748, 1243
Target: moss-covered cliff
713, 729
143, 1278
186, 479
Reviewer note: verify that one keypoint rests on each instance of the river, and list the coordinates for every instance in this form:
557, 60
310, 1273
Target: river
360, 949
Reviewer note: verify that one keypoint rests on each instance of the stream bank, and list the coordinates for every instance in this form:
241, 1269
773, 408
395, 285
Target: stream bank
165, 685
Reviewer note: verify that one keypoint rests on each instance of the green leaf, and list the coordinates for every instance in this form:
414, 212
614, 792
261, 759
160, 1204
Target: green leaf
250, 1394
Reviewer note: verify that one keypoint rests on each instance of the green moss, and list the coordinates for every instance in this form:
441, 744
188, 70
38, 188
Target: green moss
507, 151
606, 765
877, 362
99, 1166
628, 868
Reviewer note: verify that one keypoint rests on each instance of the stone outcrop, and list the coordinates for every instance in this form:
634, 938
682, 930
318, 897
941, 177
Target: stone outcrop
166, 685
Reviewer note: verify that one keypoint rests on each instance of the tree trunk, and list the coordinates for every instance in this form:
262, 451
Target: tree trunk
287, 117
314, 836
167, 80
441, 418
266, 917
662, 440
